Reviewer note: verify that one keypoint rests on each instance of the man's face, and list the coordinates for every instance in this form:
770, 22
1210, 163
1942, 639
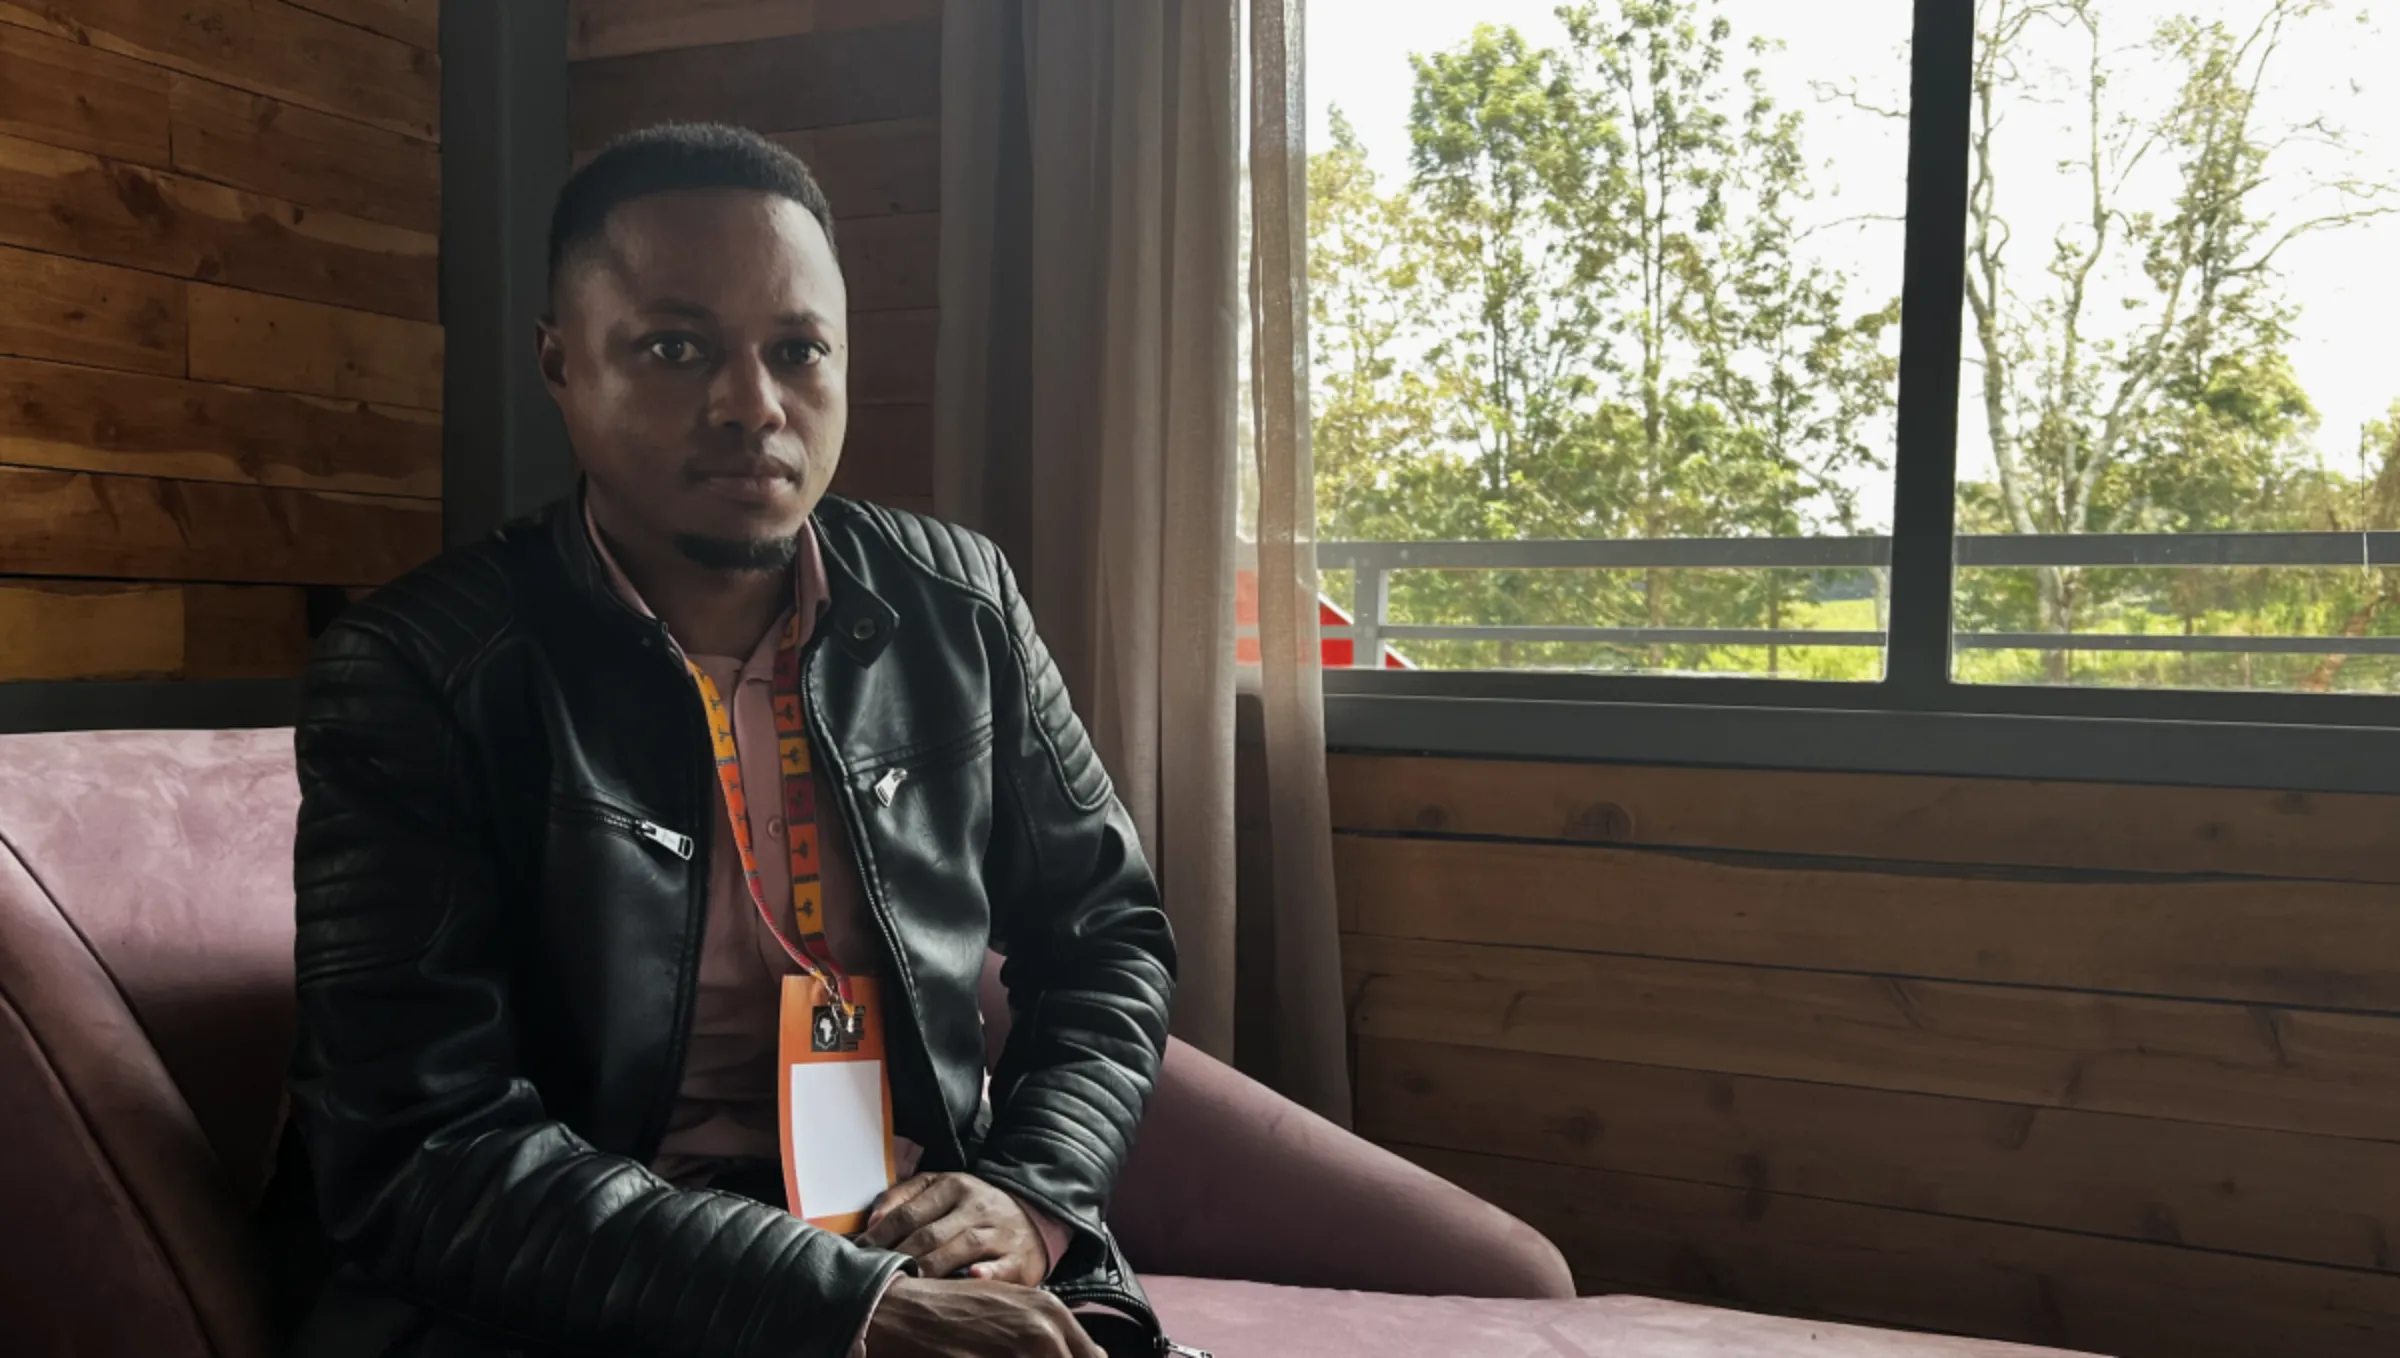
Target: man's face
699, 354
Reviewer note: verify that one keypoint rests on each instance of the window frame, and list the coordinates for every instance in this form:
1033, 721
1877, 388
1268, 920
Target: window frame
1917, 718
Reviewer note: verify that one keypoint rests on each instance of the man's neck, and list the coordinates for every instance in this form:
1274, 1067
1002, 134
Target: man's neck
708, 612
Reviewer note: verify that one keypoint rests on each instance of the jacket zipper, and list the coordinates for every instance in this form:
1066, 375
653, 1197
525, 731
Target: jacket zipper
654, 1127
853, 822
680, 845
886, 790
1134, 1309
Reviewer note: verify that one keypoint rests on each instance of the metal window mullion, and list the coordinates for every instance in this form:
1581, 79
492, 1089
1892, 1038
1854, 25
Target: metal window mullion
1370, 610
1933, 296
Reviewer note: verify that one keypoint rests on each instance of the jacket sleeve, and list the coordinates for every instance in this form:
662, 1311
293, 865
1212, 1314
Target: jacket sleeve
437, 1172
1090, 967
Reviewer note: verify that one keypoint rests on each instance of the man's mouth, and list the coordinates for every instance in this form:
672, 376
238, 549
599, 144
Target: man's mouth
757, 479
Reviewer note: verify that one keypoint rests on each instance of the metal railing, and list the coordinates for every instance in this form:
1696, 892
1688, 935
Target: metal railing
1374, 563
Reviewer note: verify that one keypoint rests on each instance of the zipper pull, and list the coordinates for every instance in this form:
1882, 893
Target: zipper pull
888, 786
678, 845
1175, 1350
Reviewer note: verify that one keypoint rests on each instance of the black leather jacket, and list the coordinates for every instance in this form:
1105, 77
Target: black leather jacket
496, 967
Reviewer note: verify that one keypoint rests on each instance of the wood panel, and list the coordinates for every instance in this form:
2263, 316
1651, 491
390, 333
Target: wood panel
874, 169
780, 84
244, 632
1785, 1253
253, 142
1949, 820
251, 339
140, 528
261, 45
70, 95
78, 312
610, 28
2324, 944
220, 357
79, 631
90, 419
53, 630
892, 263
415, 22
74, 203
2305, 1198
2331, 1074
891, 358
888, 455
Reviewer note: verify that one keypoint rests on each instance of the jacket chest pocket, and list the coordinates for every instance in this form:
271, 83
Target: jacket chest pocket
919, 772
620, 821
597, 853
927, 814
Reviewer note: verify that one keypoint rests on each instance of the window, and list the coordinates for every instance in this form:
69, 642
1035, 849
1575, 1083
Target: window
1605, 303
2176, 432
1613, 388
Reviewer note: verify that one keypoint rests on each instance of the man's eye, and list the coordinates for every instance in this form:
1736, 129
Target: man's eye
675, 350
803, 353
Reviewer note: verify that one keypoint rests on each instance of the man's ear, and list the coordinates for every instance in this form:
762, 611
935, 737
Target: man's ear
550, 350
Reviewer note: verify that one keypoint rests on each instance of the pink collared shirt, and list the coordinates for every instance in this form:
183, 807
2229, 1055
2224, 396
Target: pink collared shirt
725, 1107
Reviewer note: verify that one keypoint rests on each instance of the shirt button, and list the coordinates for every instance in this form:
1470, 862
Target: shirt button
775, 827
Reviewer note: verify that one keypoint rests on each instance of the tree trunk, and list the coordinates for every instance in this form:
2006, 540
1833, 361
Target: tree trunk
2320, 679
1774, 624
2057, 610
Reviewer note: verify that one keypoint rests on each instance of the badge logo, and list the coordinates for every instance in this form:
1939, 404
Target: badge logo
830, 1030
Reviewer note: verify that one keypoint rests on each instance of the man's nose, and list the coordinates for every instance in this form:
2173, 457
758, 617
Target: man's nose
745, 397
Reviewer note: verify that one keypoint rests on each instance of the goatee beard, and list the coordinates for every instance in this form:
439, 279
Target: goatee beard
758, 556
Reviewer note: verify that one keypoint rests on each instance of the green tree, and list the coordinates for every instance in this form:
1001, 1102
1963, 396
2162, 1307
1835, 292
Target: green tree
2138, 382
1589, 313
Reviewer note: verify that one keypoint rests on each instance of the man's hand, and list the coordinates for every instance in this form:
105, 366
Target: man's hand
954, 1318
956, 1223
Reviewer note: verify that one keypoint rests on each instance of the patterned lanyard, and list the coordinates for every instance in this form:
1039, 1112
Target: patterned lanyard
809, 952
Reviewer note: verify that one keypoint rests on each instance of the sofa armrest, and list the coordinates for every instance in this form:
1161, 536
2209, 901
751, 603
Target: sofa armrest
1229, 1179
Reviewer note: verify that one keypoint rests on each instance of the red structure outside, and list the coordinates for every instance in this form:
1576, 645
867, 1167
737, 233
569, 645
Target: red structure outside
1335, 652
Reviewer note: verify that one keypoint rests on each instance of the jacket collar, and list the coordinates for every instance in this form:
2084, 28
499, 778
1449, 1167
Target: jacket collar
857, 620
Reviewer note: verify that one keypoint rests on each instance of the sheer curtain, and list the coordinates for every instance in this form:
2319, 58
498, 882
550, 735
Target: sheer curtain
1086, 418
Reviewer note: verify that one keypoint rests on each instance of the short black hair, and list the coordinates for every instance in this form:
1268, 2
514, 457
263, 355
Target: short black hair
667, 158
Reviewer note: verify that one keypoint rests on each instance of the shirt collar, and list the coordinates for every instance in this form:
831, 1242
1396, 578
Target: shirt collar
809, 592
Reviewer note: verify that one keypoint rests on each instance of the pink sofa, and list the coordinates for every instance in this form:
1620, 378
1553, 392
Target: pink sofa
145, 971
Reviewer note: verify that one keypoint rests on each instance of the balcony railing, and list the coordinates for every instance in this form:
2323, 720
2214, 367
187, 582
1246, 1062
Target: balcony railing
1374, 563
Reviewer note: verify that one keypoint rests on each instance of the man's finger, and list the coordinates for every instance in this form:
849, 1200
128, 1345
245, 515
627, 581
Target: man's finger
936, 1240
929, 1205
897, 1196
974, 1245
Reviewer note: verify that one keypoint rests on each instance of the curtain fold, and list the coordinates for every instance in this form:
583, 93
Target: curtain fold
1086, 419
1309, 1039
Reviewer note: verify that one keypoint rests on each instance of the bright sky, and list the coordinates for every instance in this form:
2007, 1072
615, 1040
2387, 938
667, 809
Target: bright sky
2337, 65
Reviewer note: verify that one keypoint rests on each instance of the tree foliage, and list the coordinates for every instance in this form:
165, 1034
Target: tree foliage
1593, 309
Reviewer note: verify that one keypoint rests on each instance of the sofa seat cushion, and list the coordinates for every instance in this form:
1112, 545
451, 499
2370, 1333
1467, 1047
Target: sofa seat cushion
1253, 1320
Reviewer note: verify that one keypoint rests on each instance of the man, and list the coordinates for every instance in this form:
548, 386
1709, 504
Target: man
571, 795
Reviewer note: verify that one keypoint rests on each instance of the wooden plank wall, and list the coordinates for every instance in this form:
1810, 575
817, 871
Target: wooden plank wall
853, 86
220, 349
2110, 1068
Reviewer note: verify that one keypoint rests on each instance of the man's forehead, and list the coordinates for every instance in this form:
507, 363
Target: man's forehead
707, 243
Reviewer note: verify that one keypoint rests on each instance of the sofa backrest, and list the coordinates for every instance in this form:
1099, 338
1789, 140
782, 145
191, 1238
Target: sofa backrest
145, 1015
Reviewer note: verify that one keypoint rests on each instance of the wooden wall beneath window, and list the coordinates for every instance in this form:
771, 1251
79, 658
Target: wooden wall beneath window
2110, 1068
220, 349
854, 87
